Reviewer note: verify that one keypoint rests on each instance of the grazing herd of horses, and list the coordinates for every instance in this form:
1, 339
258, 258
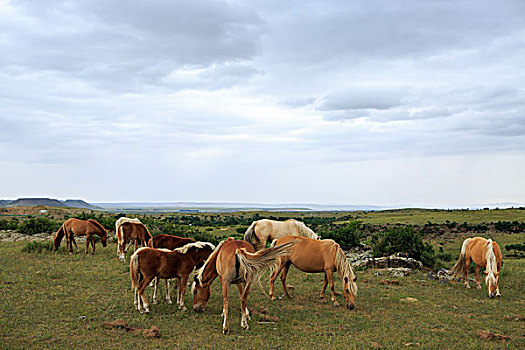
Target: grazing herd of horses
242, 262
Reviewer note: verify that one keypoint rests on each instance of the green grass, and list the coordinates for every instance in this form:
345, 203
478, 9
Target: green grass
422, 216
57, 300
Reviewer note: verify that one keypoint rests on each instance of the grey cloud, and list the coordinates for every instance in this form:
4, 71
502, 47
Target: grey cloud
362, 98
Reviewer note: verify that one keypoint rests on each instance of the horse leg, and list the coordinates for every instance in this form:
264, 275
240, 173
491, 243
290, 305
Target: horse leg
243, 295
154, 282
467, 264
168, 296
69, 244
136, 245
273, 276
225, 305
136, 299
75, 243
285, 269
183, 281
93, 244
325, 283
127, 247
140, 289
330, 277
497, 287
478, 283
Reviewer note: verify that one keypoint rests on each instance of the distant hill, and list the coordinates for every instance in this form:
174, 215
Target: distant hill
79, 203
48, 202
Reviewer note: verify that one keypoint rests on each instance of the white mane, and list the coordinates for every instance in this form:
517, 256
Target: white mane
308, 232
137, 251
490, 258
199, 272
198, 245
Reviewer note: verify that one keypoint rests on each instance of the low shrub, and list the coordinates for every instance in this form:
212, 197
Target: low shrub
403, 240
38, 247
348, 236
38, 225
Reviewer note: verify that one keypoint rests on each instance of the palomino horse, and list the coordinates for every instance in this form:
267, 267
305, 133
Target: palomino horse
266, 229
132, 232
119, 222
148, 263
310, 255
485, 253
76, 227
168, 242
233, 261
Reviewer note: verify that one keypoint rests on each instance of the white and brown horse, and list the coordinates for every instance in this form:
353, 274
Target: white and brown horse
119, 222
485, 253
315, 256
234, 262
148, 263
267, 230
76, 227
168, 242
130, 232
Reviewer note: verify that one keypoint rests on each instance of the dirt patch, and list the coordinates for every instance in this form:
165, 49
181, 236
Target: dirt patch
487, 335
152, 332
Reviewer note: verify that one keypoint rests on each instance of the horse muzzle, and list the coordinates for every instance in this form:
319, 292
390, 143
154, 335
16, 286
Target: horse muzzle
198, 308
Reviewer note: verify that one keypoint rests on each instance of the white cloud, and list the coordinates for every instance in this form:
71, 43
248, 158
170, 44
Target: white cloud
267, 101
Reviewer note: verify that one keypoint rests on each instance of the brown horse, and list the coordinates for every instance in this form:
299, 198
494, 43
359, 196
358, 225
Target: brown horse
132, 232
485, 253
168, 242
233, 261
76, 227
265, 229
310, 255
148, 263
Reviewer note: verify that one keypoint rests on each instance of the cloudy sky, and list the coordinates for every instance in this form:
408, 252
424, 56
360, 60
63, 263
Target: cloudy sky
354, 102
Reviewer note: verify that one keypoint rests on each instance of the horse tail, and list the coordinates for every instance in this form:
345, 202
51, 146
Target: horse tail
58, 237
134, 270
344, 268
249, 232
461, 264
251, 265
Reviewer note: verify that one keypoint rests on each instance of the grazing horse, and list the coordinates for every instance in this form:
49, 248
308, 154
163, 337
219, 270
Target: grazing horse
168, 242
129, 232
119, 222
233, 261
314, 256
266, 229
485, 253
148, 263
76, 227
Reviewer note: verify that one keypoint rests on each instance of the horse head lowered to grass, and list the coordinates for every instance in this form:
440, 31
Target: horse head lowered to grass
485, 253
76, 227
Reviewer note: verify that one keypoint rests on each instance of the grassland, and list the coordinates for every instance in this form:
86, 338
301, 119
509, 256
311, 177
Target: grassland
57, 300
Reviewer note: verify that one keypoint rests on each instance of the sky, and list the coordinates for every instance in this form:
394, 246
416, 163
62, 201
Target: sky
393, 103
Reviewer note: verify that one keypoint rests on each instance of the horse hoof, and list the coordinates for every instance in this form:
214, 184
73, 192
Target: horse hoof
225, 331
169, 301
336, 306
478, 286
467, 286
155, 302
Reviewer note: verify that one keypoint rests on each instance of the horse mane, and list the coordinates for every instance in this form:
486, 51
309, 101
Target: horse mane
211, 259
308, 232
137, 252
344, 267
490, 258
198, 245
96, 223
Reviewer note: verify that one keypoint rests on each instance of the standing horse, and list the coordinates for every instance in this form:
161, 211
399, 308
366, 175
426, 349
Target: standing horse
119, 222
168, 242
132, 232
148, 263
266, 229
485, 253
314, 256
234, 262
76, 227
